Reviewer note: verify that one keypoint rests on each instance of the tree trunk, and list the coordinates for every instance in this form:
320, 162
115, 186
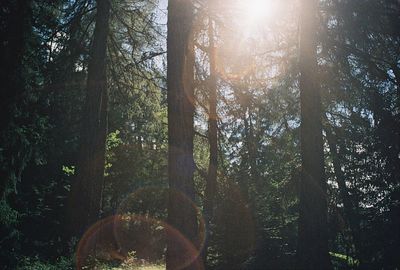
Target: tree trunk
244, 173
313, 238
17, 26
86, 190
180, 58
348, 204
211, 185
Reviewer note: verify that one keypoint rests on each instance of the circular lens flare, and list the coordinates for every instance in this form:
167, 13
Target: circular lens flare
138, 234
152, 202
116, 237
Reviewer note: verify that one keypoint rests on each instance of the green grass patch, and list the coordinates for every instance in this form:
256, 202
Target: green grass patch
345, 259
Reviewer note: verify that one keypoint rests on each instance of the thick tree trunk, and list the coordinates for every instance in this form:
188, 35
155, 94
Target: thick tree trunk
181, 214
86, 190
211, 185
16, 26
313, 238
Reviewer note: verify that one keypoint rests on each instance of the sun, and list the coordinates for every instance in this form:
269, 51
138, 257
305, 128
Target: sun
257, 11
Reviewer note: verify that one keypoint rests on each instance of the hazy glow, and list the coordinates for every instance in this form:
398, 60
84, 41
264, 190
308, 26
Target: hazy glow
257, 11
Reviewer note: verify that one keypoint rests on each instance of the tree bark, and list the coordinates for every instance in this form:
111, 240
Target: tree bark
86, 190
180, 60
313, 238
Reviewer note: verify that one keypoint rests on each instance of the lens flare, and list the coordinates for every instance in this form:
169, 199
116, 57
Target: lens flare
115, 237
140, 227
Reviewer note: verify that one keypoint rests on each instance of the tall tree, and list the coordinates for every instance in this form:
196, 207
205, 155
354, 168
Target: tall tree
86, 191
14, 30
313, 239
211, 183
180, 62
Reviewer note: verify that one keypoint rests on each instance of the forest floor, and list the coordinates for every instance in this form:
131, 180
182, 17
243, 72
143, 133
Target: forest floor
147, 267
134, 267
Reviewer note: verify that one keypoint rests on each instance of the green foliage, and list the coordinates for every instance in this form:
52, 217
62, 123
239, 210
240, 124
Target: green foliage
8, 216
341, 258
68, 170
28, 263
112, 142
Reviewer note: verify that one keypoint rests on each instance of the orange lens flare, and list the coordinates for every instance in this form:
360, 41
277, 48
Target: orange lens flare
143, 232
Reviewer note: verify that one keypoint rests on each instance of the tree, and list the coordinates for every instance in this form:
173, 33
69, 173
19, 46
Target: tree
211, 183
16, 27
86, 190
313, 238
180, 63
361, 96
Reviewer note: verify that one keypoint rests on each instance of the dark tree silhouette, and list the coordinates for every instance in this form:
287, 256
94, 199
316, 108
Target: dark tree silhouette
15, 30
86, 191
180, 50
313, 238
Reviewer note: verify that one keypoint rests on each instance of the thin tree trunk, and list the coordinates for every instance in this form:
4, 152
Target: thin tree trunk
244, 182
211, 185
252, 148
180, 60
86, 191
348, 205
313, 238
